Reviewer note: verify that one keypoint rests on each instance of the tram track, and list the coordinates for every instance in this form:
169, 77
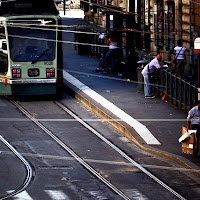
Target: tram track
28, 167
84, 163
71, 152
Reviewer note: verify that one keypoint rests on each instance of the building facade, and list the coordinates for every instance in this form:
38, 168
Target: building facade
150, 25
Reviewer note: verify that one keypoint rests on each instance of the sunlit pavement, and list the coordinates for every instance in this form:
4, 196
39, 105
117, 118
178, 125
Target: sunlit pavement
73, 13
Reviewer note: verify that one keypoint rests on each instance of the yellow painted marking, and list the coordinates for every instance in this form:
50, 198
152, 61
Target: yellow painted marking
4, 76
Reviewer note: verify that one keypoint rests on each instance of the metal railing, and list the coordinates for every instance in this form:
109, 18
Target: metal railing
182, 93
179, 92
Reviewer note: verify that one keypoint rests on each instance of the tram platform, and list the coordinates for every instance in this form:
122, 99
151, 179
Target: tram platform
153, 125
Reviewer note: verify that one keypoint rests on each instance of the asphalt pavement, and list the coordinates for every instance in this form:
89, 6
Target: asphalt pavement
152, 124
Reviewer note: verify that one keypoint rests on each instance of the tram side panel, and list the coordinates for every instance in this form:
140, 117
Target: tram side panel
60, 54
5, 89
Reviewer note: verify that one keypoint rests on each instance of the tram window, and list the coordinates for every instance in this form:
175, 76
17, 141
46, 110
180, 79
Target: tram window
31, 43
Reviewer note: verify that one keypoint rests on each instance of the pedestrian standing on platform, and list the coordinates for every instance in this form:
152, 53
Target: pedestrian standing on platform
106, 37
180, 56
150, 68
194, 119
112, 52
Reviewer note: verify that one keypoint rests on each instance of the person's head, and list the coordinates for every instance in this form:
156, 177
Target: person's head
179, 42
159, 57
198, 104
107, 33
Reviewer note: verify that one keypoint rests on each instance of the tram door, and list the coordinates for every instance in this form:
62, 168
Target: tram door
3, 52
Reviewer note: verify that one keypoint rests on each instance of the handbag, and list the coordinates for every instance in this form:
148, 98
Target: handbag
153, 76
174, 61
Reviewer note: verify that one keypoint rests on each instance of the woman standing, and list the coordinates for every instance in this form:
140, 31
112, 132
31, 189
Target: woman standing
180, 57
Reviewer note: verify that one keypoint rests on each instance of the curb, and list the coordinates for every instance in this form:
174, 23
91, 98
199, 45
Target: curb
122, 127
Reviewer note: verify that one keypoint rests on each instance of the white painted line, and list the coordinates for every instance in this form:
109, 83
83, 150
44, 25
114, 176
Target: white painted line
21, 196
140, 128
57, 195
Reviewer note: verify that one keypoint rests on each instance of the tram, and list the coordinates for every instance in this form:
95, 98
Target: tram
30, 47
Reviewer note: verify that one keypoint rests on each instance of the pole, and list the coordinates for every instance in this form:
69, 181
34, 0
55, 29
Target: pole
198, 76
64, 6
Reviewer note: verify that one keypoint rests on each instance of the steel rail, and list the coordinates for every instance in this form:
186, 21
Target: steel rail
28, 167
72, 153
121, 152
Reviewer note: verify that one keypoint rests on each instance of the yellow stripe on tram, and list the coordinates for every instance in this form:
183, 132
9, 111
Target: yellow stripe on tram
4, 76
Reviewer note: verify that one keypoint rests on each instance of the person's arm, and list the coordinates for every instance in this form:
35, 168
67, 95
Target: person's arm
157, 65
108, 41
188, 124
189, 117
185, 56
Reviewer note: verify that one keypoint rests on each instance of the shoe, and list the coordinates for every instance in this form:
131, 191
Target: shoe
97, 70
149, 97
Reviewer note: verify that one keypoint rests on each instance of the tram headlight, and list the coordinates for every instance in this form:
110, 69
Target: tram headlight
16, 73
50, 72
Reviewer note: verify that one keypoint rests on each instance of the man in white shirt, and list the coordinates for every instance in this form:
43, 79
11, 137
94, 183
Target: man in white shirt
194, 119
180, 56
149, 68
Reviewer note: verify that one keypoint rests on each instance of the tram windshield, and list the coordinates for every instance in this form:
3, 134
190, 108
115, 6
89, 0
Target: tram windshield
28, 43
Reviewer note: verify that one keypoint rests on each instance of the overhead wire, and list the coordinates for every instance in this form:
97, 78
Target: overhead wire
139, 31
131, 13
109, 8
194, 2
75, 43
128, 29
114, 10
42, 27
6, 1
70, 42
55, 41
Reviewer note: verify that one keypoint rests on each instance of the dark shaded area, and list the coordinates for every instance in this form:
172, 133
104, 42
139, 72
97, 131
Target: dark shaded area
28, 7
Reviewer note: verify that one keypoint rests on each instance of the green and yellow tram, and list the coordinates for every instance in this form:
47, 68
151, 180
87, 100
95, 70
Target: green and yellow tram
30, 48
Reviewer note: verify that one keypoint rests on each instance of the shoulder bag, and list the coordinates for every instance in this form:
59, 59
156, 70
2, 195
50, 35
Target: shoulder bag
153, 77
174, 61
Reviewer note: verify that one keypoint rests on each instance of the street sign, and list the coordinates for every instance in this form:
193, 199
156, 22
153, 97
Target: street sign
197, 45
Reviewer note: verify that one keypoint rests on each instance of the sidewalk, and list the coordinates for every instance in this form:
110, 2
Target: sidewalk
152, 124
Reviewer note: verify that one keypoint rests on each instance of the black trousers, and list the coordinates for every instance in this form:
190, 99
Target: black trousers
196, 127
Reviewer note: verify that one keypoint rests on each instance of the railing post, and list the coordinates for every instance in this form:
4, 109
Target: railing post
75, 38
64, 7
162, 81
93, 42
97, 46
185, 97
189, 95
171, 88
166, 84
175, 88
181, 92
